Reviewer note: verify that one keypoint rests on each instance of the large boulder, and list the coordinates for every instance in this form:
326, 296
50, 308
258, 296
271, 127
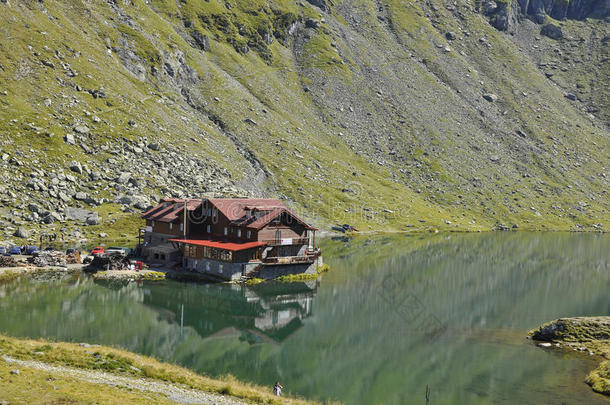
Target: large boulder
552, 31
489, 7
81, 129
75, 167
69, 139
490, 97
123, 178
79, 214
21, 232
202, 41
93, 219
319, 3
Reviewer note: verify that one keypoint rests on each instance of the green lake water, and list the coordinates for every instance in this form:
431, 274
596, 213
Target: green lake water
394, 315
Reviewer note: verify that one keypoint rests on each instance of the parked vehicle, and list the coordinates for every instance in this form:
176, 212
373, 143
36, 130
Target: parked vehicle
71, 251
31, 250
97, 251
3, 250
117, 250
15, 250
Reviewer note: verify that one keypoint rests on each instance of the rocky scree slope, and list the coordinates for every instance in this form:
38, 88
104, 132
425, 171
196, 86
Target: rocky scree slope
388, 114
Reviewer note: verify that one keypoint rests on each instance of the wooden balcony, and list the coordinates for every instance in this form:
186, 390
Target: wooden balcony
287, 241
289, 260
309, 257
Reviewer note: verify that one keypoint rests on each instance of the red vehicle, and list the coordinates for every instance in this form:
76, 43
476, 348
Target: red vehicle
97, 251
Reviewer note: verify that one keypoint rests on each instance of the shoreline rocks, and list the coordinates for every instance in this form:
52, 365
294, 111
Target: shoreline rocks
589, 335
128, 275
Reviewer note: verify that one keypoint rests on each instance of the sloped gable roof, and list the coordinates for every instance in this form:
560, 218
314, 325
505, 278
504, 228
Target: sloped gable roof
235, 208
265, 219
169, 209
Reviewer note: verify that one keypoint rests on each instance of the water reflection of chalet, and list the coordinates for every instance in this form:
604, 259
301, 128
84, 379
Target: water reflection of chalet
256, 314
230, 238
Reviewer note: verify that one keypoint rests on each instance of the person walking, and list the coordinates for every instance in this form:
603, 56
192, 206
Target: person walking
277, 389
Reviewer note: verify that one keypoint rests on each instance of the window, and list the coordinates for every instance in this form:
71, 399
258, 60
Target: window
152, 223
226, 255
191, 251
170, 225
248, 234
239, 233
208, 229
226, 231
182, 227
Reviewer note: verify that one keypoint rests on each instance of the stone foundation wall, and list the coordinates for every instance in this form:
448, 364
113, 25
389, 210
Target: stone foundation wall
224, 270
271, 272
234, 271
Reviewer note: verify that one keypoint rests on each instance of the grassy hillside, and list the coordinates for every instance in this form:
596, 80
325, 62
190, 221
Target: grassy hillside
36, 371
358, 112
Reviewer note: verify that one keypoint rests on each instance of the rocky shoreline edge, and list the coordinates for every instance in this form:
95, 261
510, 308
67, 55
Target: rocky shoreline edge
10, 273
589, 335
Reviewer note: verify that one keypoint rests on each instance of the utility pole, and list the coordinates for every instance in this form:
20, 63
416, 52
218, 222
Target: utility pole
182, 321
184, 224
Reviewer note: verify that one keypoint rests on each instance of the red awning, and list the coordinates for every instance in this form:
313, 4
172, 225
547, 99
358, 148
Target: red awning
234, 247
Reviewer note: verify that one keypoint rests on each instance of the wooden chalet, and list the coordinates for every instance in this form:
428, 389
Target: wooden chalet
229, 237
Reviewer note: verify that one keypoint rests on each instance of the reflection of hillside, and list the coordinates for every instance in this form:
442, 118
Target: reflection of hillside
256, 314
393, 315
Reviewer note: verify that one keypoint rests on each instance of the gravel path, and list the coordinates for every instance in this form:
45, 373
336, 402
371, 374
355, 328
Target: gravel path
173, 392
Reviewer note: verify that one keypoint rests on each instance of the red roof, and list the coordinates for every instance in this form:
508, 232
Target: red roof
234, 247
169, 209
235, 208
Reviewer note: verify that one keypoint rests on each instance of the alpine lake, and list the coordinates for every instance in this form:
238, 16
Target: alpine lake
395, 316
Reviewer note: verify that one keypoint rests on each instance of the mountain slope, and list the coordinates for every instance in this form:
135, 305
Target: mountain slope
399, 115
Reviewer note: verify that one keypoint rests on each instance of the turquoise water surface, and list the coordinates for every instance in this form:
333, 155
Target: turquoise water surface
394, 315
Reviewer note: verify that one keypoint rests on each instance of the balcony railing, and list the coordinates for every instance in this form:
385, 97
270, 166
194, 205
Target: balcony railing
287, 241
309, 257
289, 259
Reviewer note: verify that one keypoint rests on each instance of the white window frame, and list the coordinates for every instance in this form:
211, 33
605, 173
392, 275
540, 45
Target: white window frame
170, 226
239, 233
226, 231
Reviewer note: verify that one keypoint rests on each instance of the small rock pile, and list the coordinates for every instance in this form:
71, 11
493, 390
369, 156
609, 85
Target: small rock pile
8, 261
74, 258
49, 258
109, 262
